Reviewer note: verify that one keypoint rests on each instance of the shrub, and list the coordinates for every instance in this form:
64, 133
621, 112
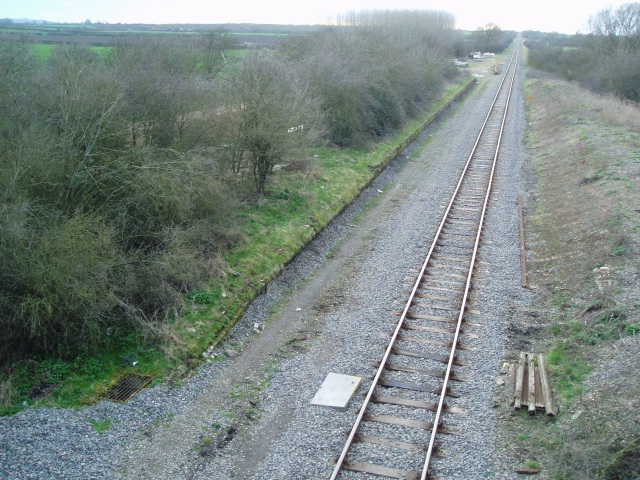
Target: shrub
94, 232
57, 280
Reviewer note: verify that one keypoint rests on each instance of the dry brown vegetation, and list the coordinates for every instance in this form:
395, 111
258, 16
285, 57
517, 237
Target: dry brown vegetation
583, 232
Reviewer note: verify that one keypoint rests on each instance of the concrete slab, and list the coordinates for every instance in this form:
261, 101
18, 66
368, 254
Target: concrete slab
336, 391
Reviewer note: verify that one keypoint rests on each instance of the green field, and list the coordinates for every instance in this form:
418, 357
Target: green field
43, 52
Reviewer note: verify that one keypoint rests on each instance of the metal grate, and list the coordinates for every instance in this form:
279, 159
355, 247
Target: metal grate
127, 387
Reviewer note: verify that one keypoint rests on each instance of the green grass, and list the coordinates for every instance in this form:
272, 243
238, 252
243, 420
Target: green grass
43, 52
101, 426
601, 323
569, 372
533, 464
297, 207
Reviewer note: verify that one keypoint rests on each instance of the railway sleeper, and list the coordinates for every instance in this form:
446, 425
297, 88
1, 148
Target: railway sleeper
421, 303
447, 275
428, 341
433, 318
424, 328
449, 266
425, 341
407, 402
380, 470
385, 442
416, 387
438, 281
408, 422
429, 356
422, 371
459, 232
436, 298
459, 259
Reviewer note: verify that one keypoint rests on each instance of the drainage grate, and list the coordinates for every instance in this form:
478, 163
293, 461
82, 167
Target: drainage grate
127, 387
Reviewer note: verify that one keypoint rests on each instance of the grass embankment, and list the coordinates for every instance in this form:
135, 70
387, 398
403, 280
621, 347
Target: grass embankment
303, 197
301, 201
583, 237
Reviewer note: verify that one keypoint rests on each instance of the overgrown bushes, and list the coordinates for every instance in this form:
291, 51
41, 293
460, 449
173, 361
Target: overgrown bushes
120, 174
373, 74
97, 233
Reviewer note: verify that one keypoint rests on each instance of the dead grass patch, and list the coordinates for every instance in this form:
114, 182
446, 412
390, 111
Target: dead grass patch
583, 227
619, 112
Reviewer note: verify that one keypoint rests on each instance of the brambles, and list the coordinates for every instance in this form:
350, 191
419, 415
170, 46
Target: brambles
97, 233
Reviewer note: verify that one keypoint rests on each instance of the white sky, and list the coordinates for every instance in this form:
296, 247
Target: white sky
564, 16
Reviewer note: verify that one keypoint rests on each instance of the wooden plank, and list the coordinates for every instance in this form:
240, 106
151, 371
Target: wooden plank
449, 275
382, 471
531, 400
546, 390
539, 396
524, 400
455, 244
466, 209
459, 222
527, 470
517, 393
419, 301
511, 381
454, 267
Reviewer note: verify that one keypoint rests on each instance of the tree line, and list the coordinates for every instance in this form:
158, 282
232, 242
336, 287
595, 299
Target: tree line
120, 174
606, 59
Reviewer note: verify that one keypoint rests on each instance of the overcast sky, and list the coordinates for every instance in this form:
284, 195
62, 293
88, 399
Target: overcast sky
564, 16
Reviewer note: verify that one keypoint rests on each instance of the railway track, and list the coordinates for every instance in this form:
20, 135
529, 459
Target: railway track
413, 390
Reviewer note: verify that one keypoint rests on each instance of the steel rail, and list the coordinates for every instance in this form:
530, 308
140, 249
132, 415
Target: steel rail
409, 303
436, 422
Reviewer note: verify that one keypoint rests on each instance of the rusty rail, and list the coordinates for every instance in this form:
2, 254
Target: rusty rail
470, 197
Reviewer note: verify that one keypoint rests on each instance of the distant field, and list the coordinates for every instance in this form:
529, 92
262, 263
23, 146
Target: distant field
42, 52
105, 34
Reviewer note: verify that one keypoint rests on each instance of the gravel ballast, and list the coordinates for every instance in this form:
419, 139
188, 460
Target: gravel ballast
247, 415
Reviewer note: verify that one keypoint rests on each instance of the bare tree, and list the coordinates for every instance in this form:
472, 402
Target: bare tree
270, 114
488, 36
617, 30
215, 45
375, 71
161, 89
